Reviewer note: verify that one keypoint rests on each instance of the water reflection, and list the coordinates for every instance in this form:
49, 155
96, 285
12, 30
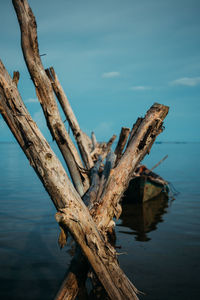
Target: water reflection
143, 218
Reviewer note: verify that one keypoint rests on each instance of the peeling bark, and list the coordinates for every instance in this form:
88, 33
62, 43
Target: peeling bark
139, 146
109, 203
88, 227
72, 214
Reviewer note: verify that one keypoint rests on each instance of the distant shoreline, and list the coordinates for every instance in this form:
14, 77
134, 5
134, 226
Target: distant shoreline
156, 142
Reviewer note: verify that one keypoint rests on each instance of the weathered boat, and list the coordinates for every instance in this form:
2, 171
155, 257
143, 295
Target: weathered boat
145, 186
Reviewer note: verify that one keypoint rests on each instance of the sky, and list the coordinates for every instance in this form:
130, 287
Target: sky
114, 59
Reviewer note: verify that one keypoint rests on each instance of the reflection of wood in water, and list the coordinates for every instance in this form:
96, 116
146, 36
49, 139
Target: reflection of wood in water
143, 217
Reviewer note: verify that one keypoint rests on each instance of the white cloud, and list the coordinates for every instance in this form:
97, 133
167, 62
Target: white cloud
187, 81
32, 100
140, 88
110, 74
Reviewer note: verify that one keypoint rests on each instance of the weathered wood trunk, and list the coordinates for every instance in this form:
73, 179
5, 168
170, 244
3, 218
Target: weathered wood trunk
45, 94
124, 134
108, 205
72, 212
139, 146
88, 226
78, 134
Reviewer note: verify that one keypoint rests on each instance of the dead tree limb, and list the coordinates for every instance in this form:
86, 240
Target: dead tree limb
140, 144
72, 212
94, 140
78, 134
121, 142
45, 94
16, 76
91, 194
102, 148
110, 160
78, 269
134, 129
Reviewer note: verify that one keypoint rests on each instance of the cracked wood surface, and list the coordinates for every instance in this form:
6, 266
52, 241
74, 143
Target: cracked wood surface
72, 211
45, 94
144, 134
77, 132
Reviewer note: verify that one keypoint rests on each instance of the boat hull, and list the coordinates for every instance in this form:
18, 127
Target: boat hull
142, 189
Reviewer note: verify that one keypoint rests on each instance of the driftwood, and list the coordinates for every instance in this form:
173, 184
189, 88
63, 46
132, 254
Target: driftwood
102, 148
139, 146
124, 134
78, 134
72, 212
109, 206
101, 188
94, 140
45, 94
16, 76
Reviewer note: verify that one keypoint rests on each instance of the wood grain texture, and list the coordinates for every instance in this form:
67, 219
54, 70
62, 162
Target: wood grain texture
103, 210
77, 132
45, 94
72, 212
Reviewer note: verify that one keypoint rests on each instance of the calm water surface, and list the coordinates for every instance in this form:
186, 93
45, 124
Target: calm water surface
159, 243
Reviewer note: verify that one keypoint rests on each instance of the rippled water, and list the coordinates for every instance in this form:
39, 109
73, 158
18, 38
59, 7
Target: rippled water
159, 243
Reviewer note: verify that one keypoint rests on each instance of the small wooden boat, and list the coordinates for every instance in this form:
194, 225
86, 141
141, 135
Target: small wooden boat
145, 186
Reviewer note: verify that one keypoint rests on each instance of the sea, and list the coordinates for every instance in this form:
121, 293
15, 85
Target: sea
158, 244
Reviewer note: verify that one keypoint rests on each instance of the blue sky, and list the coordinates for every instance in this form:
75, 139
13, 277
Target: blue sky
114, 60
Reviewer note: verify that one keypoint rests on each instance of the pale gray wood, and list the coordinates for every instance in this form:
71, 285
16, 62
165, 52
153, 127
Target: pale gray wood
77, 132
72, 213
139, 146
94, 140
121, 142
117, 182
45, 94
